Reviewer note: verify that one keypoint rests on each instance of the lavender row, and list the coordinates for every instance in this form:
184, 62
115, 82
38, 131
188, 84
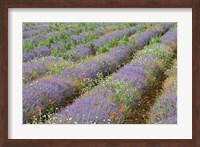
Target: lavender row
170, 37
61, 88
110, 101
28, 26
37, 39
38, 52
38, 68
143, 39
164, 110
118, 35
32, 32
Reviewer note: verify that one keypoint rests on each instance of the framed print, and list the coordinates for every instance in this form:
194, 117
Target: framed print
107, 73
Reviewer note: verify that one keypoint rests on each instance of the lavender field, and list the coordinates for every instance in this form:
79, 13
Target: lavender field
99, 73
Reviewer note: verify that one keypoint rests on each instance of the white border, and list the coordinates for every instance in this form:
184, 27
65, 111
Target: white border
183, 130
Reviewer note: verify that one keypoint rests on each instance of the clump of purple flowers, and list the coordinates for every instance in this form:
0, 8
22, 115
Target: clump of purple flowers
94, 107
163, 27
39, 94
117, 34
78, 53
33, 32
32, 70
38, 52
164, 110
37, 68
170, 37
142, 39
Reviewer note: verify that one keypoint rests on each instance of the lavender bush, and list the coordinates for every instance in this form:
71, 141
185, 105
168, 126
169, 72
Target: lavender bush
33, 32
117, 34
32, 70
142, 39
37, 68
170, 37
164, 110
38, 52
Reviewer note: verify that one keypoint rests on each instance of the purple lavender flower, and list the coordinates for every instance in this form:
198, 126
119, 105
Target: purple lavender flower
36, 26
142, 39
27, 40
32, 32
41, 51
122, 54
164, 110
32, 70
163, 27
67, 32
81, 37
170, 37
136, 74
57, 45
92, 108
117, 34
38, 67
45, 36
106, 62
39, 94
78, 53
38, 52
27, 56
49, 60
99, 31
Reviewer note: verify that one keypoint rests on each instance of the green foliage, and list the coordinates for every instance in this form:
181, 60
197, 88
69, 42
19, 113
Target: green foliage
174, 26
156, 39
145, 27
132, 41
58, 67
107, 46
91, 84
124, 93
28, 46
173, 69
161, 51
28, 25
124, 40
